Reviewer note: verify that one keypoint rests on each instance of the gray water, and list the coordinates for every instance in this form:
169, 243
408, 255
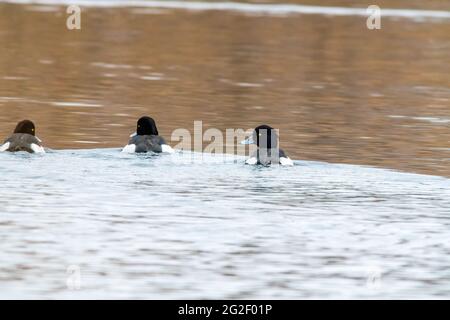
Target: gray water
183, 226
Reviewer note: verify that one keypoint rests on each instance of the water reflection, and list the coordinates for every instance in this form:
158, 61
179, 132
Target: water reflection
337, 91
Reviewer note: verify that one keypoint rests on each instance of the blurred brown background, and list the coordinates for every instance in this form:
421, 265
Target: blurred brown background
338, 91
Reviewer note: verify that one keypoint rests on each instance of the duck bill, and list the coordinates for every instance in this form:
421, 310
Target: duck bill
248, 141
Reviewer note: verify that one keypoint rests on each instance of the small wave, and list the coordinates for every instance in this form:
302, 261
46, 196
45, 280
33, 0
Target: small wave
269, 9
14, 78
436, 120
86, 142
76, 104
111, 65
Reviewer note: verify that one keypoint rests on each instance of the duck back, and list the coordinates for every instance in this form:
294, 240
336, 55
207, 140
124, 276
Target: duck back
22, 142
147, 143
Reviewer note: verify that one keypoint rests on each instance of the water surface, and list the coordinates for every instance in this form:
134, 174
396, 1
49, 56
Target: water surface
173, 226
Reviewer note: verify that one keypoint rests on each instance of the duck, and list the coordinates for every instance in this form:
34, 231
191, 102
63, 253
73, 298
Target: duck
266, 139
146, 138
23, 139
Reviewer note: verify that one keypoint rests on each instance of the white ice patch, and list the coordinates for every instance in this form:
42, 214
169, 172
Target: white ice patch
167, 148
130, 148
286, 161
251, 160
4, 147
36, 148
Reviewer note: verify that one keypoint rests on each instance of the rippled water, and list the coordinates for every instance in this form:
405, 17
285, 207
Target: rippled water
337, 91
142, 226
193, 226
